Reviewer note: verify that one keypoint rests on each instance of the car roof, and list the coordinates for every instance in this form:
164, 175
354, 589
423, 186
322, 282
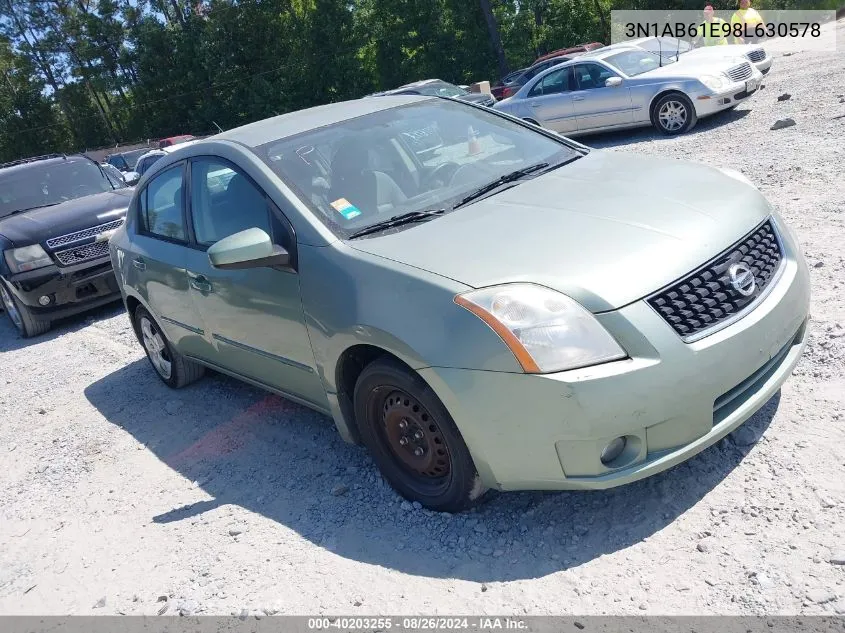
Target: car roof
292, 123
23, 163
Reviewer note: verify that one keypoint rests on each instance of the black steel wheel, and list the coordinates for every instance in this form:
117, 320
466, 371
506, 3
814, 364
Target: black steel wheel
413, 439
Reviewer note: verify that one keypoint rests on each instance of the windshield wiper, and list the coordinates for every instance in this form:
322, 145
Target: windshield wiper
40, 206
398, 220
502, 180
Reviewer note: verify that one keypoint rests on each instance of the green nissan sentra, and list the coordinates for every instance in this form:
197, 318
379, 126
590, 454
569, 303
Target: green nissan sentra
481, 302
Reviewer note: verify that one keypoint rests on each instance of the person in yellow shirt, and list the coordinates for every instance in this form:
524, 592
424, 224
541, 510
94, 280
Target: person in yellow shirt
713, 31
750, 18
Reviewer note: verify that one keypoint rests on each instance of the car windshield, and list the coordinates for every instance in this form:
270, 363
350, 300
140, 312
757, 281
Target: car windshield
426, 155
440, 89
43, 184
633, 63
666, 46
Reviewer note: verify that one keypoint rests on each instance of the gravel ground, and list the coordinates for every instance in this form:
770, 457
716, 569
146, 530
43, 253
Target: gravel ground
118, 495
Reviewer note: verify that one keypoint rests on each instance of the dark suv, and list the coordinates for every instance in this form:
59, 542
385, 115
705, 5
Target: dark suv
56, 216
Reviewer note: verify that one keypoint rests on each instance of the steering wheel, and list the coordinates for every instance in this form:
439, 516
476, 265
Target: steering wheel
444, 173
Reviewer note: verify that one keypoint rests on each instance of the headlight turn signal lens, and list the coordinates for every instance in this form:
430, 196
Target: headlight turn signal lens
546, 330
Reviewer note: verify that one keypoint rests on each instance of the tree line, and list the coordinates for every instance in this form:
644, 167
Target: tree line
77, 74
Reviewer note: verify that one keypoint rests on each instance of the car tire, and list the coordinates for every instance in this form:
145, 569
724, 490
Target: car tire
413, 439
19, 314
673, 114
174, 369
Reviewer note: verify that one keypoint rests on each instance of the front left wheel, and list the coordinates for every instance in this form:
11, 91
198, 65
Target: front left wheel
673, 114
20, 315
413, 439
175, 369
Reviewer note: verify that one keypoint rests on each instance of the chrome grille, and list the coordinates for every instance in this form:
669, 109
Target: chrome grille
757, 55
706, 298
82, 253
78, 236
741, 72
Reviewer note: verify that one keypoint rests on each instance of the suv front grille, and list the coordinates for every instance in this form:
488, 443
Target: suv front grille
82, 253
707, 297
757, 55
78, 236
741, 72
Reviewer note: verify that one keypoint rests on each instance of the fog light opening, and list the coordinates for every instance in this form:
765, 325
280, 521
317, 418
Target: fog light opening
44, 300
613, 450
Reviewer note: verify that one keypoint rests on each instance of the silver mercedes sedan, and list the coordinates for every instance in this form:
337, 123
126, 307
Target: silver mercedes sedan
622, 87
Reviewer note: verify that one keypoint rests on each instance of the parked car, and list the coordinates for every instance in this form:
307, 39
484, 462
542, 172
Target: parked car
440, 88
677, 49
515, 311
114, 175
147, 160
498, 88
572, 50
625, 87
512, 86
125, 162
170, 141
56, 215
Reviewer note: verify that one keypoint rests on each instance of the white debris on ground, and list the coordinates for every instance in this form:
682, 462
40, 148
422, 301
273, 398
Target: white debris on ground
118, 495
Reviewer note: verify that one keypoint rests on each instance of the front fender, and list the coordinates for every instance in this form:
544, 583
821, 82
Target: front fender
354, 298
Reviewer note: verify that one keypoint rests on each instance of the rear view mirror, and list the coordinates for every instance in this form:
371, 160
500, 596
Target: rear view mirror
613, 82
251, 248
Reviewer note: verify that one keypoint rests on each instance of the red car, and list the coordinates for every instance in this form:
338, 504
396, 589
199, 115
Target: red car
580, 48
174, 140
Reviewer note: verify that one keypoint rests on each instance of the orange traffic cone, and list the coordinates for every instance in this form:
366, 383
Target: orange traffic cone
473, 146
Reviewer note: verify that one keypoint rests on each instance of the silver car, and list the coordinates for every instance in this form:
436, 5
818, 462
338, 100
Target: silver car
674, 48
623, 87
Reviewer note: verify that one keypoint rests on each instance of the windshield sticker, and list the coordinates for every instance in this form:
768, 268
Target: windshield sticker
346, 208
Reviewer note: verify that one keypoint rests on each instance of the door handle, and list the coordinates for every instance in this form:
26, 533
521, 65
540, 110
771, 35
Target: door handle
200, 283
577, 98
139, 263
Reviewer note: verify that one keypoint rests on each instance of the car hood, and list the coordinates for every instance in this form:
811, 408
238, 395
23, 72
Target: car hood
694, 67
607, 229
38, 225
725, 50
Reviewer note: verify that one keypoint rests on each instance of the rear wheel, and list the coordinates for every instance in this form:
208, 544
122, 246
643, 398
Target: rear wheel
413, 439
673, 114
20, 315
172, 367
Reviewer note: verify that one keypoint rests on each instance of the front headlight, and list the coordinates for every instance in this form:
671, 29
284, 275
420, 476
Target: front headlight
546, 330
713, 82
736, 175
27, 258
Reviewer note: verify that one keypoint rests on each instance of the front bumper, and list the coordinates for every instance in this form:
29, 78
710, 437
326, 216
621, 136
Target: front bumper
71, 289
764, 65
731, 96
670, 399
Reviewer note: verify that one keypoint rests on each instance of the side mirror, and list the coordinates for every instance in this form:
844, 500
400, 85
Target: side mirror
131, 177
251, 248
613, 82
